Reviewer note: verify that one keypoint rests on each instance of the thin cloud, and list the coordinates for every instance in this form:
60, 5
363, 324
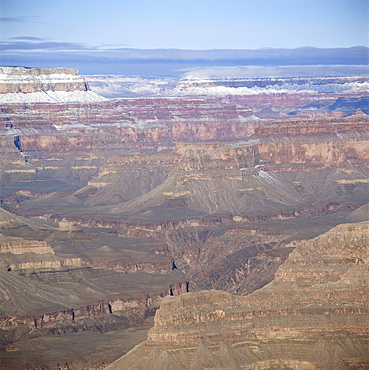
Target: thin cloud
92, 60
27, 38
44, 45
21, 19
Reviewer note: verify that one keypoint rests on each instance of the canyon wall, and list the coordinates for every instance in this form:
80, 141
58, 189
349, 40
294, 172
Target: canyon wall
317, 300
30, 85
60, 279
27, 80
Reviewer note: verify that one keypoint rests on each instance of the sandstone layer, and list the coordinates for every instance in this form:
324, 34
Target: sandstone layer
200, 198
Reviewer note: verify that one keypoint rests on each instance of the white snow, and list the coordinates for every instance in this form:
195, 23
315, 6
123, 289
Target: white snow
51, 97
52, 78
278, 71
47, 85
71, 126
187, 88
120, 86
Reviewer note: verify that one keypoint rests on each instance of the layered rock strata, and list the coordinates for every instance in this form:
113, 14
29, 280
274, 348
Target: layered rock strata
27, 80
140, 198
212, 177
200, 198
268, 175
68, 142
27, 85
140, 119
57, 279
314, 315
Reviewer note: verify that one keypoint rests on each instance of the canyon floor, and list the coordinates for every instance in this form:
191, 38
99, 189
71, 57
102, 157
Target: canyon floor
238, 221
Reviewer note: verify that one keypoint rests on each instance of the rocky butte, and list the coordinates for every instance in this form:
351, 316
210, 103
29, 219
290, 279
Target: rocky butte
234, 211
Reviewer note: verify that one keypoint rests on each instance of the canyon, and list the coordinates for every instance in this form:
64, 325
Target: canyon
237, 219
313, 315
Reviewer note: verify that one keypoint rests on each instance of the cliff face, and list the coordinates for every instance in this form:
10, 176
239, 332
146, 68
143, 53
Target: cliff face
336, 256
23, 80
15, 245
266, 174
41, 140
64, 144
317, 300
24, 85
200, 198
144, 120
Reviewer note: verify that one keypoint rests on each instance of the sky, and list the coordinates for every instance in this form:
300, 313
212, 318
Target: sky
79, 31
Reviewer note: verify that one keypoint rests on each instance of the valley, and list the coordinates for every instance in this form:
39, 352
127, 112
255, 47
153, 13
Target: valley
232, 212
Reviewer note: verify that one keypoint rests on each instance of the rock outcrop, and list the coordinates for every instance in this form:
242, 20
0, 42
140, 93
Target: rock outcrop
27, 80
27, 85
200, 199
20, 246
314, 315
68, 142
60, 279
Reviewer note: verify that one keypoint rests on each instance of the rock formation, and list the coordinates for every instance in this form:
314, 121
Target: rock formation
25, 85
314, 315
60, 279
126, 201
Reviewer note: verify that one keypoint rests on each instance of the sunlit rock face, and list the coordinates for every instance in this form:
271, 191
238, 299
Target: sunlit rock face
27, 80
313, 315
31, 85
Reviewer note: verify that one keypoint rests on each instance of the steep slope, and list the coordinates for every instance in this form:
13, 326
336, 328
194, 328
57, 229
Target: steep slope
314, 315
230, 211
60, 146
287, 169
60, 279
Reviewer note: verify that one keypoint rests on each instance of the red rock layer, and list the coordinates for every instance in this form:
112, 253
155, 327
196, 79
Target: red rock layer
144, 120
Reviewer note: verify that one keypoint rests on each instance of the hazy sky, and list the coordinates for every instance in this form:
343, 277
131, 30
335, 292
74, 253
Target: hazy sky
60, 32
188, 24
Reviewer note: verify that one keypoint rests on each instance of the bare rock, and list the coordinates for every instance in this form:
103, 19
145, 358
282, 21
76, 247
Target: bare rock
292, 323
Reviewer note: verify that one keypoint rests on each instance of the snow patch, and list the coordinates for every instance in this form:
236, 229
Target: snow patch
129, 86
51, 97
187, 88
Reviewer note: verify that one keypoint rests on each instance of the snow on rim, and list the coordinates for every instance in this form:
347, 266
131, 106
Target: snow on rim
51, 97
